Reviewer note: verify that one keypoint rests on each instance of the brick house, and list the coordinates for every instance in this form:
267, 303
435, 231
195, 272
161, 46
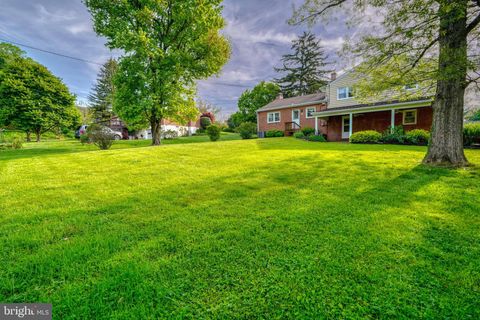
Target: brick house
291, 114
338, 115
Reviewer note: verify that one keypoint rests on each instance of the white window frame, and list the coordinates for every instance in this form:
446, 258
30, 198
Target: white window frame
273, 115
348, 91
306, 112
415, 111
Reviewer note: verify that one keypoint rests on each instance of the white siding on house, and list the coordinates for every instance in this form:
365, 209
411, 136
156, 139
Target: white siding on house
345, 80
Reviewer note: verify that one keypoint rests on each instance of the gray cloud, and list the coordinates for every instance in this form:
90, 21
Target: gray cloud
257, 29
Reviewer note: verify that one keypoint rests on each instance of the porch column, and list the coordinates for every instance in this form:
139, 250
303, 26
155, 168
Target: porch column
316, 126
351, 125
392, 127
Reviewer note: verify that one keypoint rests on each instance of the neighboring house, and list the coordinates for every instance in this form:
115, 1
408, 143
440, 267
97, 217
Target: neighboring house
291, 114
339, 115
167, 125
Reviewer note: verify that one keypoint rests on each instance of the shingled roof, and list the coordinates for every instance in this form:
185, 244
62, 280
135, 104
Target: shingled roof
294, 102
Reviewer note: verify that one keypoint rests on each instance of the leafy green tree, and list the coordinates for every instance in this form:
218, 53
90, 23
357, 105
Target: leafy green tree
101, 98
168, 45
305, 69
440, 33
235, 120
31, 98
252, 100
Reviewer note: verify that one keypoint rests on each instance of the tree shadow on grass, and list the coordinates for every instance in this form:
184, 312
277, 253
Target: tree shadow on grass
279, 239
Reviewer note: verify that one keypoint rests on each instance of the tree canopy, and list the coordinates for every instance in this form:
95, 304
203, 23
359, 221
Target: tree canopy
168, 45
440, 38
252, 100
31, 98
304, 71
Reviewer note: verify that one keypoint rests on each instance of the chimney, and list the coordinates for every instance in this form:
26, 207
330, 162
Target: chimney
333, 76
280, 96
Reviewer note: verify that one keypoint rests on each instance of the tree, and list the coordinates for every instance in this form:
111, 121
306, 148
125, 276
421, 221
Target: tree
206, 107
304, 69
235, 120
252, 100
31, 98
168, 45
442, 33
101, 98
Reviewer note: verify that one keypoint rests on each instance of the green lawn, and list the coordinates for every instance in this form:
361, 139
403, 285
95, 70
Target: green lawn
270, 228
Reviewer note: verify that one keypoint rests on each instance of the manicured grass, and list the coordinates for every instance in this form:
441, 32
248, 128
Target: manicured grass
270, 228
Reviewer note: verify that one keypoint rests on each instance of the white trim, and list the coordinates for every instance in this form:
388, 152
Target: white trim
385, 107
415, 111
299, 117
306, 112
316, 125
392, 120
297, 105
415, 87
279, 117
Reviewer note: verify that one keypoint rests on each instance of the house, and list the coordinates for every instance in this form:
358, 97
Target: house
171, 126
291, 114
338, 115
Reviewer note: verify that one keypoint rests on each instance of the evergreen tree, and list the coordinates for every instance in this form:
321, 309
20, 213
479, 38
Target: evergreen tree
304, 69
101, 98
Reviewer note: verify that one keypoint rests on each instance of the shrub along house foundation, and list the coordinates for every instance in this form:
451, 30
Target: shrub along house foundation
337, 115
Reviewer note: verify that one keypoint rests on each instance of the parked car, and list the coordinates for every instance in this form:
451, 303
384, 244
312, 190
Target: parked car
83, 130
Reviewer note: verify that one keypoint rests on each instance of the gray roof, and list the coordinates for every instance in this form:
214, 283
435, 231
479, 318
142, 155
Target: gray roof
294, 102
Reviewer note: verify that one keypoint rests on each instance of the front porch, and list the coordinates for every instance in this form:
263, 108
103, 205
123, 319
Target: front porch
341, 124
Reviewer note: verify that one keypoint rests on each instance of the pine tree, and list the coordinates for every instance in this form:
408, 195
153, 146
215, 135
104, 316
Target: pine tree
304, 70
101, 98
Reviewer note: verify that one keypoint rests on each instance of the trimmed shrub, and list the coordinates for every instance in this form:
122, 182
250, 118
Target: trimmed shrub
17, 142
369, 136
247, 130
314, 138
308, 131
213, 132
471, 133
228, 129
100, 136
299, 135
84, 139
205, 122
417, 137
395, 136
274, 134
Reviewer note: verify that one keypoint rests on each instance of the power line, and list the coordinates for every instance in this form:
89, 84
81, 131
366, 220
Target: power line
52, 52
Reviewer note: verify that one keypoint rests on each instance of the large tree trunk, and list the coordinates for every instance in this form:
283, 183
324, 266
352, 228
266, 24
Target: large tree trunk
156, 125
38, 136
29, 136
446, 146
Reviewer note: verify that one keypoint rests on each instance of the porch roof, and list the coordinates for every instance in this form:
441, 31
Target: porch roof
374, 107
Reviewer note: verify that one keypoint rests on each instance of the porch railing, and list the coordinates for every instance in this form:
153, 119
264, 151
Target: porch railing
291, 127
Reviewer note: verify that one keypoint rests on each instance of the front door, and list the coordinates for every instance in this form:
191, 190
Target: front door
346, 127
296, 117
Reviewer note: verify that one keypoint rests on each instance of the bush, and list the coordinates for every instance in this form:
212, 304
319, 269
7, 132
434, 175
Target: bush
17, 142
274, 133
314, 138
247, 130
213, 132
205, 122
308, 131
100, 136
395, 136
170, 134
84, 139
228, 129
369, 136
417, 137
471, 133
299, 135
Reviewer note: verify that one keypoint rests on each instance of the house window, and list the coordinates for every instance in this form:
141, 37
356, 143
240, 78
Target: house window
273, 117
310, 112
344, 93
410, 117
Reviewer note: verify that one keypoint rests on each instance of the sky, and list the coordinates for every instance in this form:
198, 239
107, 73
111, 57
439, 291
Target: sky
257, 29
